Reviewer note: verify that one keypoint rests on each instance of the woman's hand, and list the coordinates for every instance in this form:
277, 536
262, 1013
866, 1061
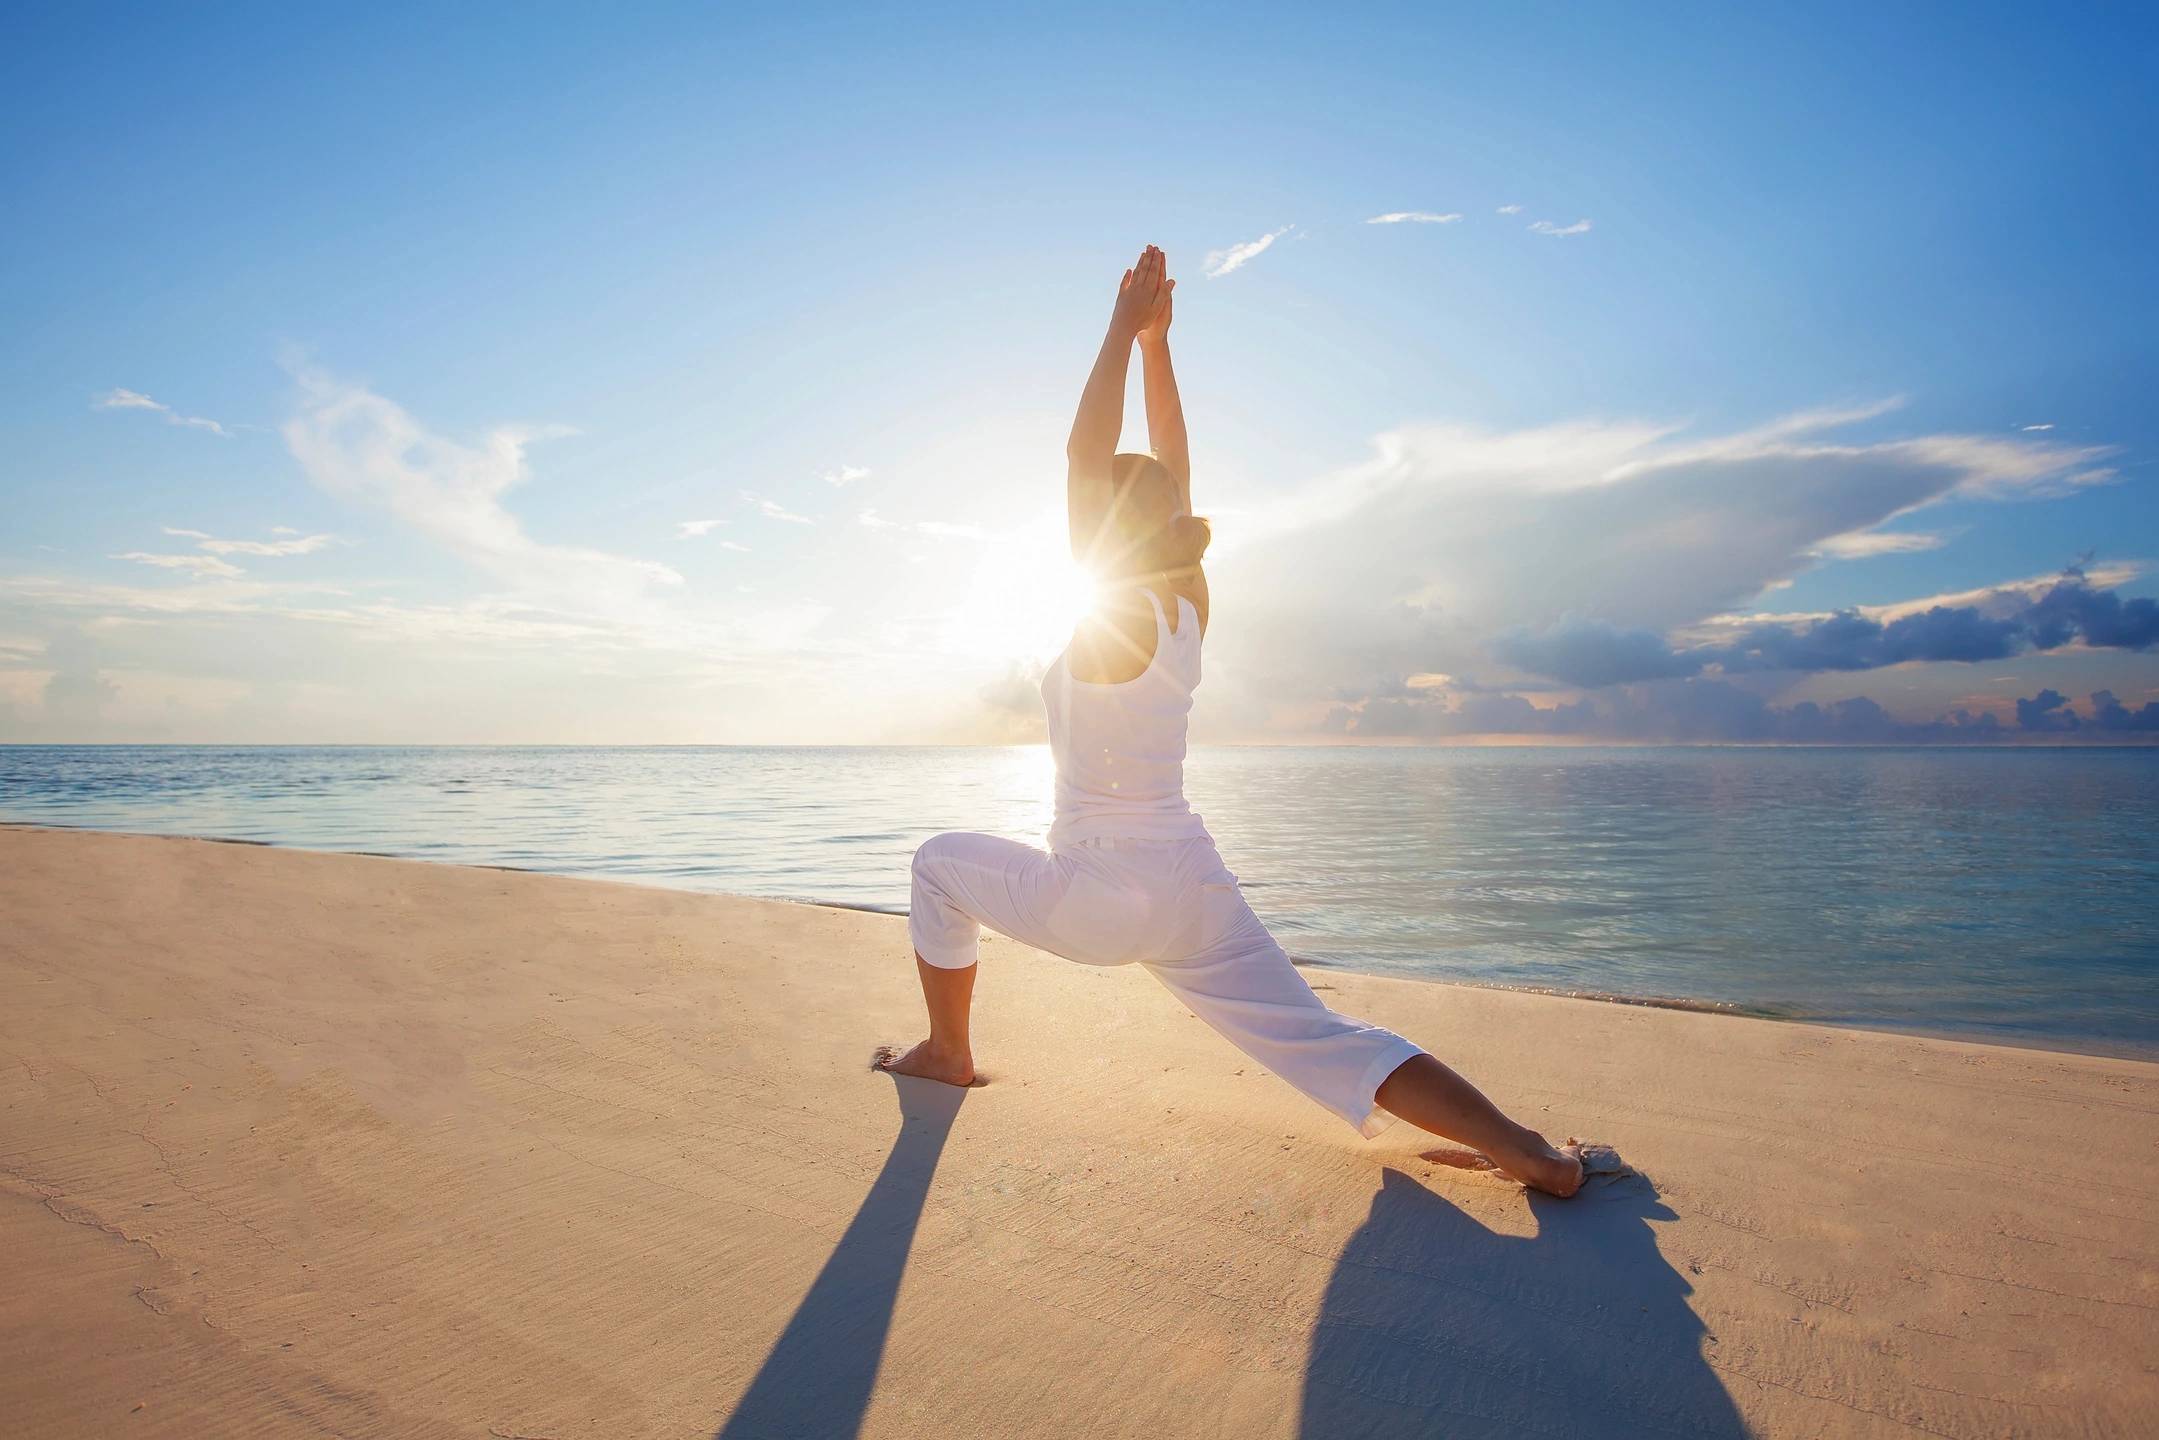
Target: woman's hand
1156, 330
1143, 296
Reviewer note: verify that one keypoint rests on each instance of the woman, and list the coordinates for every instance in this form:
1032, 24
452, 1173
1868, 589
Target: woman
1131, 873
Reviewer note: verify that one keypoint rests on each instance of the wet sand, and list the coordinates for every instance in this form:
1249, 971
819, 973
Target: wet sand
298, 1144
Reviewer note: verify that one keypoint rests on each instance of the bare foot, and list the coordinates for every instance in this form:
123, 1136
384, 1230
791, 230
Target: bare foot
927, 1062
1536, 1164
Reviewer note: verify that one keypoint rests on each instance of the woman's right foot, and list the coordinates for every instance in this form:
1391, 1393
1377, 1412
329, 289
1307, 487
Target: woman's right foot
929, 1062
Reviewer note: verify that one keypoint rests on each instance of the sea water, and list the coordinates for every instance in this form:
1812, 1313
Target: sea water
2001, 893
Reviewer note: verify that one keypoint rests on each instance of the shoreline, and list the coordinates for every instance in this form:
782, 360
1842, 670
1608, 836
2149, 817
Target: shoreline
2047, 742
1682, 1004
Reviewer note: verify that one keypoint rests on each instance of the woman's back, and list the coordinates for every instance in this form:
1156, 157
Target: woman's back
1120, 746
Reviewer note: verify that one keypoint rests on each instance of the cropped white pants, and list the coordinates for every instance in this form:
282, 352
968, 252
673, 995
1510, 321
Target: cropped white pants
1171, 906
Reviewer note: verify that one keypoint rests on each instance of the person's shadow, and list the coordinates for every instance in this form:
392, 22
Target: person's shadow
1434, 1325
816, 1381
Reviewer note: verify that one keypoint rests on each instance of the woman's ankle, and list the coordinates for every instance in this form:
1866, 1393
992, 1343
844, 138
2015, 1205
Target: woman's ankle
946, 1048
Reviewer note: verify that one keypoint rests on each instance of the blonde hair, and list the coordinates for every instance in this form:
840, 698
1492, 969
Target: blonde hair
1178, 542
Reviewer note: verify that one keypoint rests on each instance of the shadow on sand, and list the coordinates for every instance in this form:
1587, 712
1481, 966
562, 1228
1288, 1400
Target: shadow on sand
1434, 1325
817, 1379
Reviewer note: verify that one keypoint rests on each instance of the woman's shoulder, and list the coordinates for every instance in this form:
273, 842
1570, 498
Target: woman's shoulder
1115, 640
1197, 593
1174, 602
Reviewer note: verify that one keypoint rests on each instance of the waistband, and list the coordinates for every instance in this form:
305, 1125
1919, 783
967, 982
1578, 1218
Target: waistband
1133, 842
1192, 857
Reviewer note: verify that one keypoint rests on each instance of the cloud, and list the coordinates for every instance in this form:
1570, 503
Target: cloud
2048, 426
691, 529
1547, 227
1598, 550
1705, 710
1865, 544
1011, 706
951, 531
734, 545
1510, 209
297, 544
846, 475
363, 448
1592, 653
942, 529
136, 400
2048, 710
1413, 217
1694, 711
76, 693
2109, 714
200, 566
1221, 262
773, 510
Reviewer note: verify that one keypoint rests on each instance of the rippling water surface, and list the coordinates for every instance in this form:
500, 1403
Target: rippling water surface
2006, 893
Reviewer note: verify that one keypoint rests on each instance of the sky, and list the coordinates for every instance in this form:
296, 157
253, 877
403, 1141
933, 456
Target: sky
698, 375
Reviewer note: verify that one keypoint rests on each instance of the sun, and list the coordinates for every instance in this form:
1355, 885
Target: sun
1025, 595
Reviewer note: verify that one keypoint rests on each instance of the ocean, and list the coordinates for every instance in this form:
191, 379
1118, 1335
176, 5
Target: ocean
1992, 894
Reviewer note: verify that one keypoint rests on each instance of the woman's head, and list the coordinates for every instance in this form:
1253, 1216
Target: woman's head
1147, 529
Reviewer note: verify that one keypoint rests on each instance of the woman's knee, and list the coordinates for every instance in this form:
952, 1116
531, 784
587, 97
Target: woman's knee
931, 852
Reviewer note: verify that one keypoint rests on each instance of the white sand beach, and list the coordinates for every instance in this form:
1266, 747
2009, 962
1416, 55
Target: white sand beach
297, 1144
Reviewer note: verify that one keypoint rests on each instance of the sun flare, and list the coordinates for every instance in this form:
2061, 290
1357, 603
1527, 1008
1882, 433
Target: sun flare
1025, 596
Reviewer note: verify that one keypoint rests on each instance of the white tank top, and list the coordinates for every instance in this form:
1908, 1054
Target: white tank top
1120, 748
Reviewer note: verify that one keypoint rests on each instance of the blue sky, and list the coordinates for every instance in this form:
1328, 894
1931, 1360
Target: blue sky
498, 303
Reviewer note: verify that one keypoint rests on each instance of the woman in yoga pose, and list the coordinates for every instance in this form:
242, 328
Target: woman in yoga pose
1131, 874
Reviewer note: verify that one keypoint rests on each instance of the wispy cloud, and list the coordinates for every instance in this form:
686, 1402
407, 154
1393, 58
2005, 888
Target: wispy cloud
359, 446
847, 475
691, 529
734, 545
1510, 209
202, 567
1221, 262
941, 529
118, 399
1865, 544
1413, 217
2048, 426
211, 564
951, 531
296, 544
773, 510
1547, 227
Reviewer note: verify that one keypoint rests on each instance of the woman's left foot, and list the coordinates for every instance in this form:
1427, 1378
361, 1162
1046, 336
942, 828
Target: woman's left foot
928, 1062
1540, 1166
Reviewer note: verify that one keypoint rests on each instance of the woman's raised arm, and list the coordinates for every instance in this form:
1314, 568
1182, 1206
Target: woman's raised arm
1093, 442
1165, 411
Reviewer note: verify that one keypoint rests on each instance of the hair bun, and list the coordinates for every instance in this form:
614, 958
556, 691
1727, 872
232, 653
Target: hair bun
1191, 535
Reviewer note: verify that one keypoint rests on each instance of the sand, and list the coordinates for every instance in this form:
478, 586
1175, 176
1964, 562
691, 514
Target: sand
296, 1144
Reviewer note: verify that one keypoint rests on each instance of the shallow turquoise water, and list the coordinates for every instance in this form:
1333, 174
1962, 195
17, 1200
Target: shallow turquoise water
2003, 893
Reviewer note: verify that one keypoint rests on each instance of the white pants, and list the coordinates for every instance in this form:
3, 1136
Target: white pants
1169, 905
